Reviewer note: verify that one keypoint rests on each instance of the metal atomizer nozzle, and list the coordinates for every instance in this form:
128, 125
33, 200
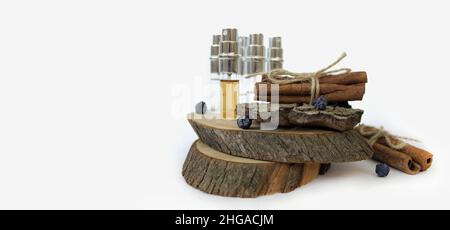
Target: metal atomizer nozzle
274, 54
255, 60
229, 52
214, 56
243, 44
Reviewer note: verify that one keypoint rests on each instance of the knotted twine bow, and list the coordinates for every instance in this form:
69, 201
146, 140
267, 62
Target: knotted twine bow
282, 76
373, 134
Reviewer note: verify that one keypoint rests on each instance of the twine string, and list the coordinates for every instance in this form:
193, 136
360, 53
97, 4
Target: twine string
373, 134
282, 76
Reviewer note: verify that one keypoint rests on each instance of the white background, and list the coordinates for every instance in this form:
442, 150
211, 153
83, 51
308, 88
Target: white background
86, 103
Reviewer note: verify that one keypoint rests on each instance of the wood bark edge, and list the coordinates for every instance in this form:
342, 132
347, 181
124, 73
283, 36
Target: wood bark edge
217, 173
292, 145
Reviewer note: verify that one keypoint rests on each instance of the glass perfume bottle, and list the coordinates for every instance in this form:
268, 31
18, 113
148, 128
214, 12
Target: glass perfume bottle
229, 59
229, 98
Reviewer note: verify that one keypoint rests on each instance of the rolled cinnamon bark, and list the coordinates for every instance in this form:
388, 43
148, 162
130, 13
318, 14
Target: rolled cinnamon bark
420, 156
303, 89
423, 157
395, 159
345, 79
340, 79
355, 93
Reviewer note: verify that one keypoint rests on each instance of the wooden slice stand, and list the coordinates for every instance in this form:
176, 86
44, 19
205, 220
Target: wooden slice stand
230, 161
287, 145
221, 174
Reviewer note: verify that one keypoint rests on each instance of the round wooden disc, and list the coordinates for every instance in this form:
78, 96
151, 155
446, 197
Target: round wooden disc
287, 145
222, 174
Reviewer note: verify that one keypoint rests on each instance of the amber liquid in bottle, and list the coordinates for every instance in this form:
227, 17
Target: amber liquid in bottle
229, 98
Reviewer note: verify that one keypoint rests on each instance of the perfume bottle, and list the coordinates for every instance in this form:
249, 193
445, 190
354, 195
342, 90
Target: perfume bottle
274, 54
229, 59
214, 78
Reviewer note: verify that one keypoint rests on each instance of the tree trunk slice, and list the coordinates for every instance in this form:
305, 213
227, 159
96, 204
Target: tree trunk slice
287, 145
221, 174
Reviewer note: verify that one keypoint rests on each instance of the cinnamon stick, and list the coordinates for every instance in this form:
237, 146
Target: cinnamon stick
424, 158
395, 159
354, 93
303, 89
420, 156
395, 152
340, 79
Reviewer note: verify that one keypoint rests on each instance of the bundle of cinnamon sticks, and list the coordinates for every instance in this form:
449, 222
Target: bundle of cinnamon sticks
409, 159
336, 88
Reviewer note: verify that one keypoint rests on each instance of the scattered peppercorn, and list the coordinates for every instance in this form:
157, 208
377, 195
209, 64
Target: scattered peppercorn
382, 170
244, 123
320, 103
200, 108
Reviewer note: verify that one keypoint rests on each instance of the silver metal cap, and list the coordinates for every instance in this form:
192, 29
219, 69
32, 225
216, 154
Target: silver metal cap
274, 65
229, 34
255, 62
214, 59
228, 48
243, 40
255, 52
256, 39
214, 51
243, 45
229, 52
275, 42
229, 65
214, 54
254, 66
214, 66
216, 39
275, 53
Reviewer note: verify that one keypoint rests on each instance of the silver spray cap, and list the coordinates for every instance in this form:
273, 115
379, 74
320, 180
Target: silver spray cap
243, 44
255, 62
229, 52
275, 42
229, 34
274, 54
256, 39
214, 55
216, 39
